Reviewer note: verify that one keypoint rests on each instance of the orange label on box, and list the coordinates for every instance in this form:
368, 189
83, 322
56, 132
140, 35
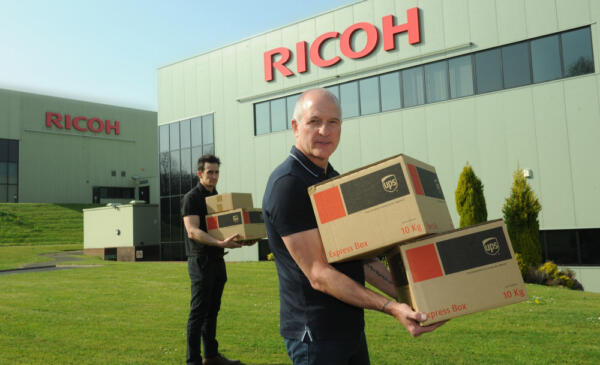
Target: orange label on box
329, 204
423, 263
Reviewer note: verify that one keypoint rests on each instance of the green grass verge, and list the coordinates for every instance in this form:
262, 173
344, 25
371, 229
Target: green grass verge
136, 313
23, 224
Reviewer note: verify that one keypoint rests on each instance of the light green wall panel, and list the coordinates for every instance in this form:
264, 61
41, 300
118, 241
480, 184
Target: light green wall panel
414, 133
456, 23
512, 25
541, 17
572, 14
484, 24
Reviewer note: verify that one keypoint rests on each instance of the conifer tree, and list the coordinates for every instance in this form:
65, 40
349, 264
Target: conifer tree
470, 202
521, 211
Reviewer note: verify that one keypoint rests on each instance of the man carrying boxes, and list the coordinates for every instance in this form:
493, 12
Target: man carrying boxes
206, 267
321, 313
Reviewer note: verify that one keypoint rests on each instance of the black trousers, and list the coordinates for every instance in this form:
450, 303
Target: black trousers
208, 277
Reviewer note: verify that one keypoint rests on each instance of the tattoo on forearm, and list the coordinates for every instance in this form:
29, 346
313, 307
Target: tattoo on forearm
378, 273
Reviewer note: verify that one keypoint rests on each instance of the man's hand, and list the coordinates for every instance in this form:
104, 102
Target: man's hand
410, 319
247, 242
229, 242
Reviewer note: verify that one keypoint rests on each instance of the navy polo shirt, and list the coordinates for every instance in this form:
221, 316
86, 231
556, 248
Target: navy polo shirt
287, 210
194, 203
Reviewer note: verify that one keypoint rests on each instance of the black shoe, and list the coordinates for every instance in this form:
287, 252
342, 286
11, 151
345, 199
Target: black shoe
220, 360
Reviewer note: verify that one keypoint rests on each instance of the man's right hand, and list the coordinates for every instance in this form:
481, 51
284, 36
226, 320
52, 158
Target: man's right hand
410, 319
229, 242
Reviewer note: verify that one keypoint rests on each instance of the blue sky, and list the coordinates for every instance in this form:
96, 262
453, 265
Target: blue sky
108, 51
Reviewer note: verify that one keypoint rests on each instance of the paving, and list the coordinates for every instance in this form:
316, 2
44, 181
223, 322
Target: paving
55, 264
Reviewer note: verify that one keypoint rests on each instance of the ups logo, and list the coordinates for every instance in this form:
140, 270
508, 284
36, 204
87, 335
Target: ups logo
236, 219
491, 246
390, 183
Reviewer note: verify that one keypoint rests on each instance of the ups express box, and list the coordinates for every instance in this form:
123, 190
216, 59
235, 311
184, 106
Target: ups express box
458, 272
248, 223
366, 211
228, 201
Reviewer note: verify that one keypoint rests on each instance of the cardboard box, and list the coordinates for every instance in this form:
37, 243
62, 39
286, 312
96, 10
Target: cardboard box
248, 223
364, 212
228, 201
459, 272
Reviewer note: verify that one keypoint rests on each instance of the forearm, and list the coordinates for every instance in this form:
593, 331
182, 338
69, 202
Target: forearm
379, 276
200, 236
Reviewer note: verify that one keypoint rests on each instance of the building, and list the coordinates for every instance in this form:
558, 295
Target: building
499, 84
56, 150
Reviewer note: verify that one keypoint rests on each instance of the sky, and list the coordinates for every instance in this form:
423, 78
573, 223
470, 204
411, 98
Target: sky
108, 51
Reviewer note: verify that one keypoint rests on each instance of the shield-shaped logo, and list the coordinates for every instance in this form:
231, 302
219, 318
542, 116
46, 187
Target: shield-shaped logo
390, 183
491, 246
236, 218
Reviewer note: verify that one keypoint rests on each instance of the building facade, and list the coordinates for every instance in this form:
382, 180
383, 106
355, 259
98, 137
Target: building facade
501, 85
56, 150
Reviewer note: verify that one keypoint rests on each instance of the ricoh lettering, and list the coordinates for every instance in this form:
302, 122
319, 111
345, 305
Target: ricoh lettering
389, 30
82, 124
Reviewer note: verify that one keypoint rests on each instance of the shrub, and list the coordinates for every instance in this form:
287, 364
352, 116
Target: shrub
521, 211
549, 274
270, 257
470, 201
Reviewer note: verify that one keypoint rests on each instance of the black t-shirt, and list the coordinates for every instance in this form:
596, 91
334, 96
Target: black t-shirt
287, 210
194, 203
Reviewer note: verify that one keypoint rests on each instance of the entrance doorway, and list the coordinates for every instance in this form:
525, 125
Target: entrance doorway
144, 194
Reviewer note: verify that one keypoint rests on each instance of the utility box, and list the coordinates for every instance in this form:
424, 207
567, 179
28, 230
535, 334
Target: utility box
124, 232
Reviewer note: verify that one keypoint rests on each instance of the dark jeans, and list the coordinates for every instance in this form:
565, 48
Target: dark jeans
330, 352
208, 277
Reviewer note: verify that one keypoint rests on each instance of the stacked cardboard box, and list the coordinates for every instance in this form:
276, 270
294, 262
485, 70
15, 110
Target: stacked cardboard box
233, 213
396, 207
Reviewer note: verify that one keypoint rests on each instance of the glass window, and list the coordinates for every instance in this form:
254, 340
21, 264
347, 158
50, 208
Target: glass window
412, 86
291, 104
3, 193
207, 129
13, 173
174, 136
196, 131
3, 172
335, 90
163, 132
349, 99
184, 130
390, 91
262, 118
175, 173
488, 72
515, 65
13, 194
369, 95
545, 59
436, 81
209, 148
461, 76
13, 151
589, 242
186, 170
176, 220
562, 247
278, 115
3, 149
165, 224
577, 52
164, 166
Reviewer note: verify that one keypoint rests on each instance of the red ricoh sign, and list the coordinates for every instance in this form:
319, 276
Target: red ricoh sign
389, 30
82, 124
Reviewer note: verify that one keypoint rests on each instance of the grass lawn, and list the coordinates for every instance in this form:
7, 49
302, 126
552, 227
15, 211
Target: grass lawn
135, 313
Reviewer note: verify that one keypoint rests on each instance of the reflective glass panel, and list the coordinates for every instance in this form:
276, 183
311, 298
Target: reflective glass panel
412, 87
184, 130
487, 68
13, 173
3, 193
163, 133
349, 99
164, 167
461, 76
545, 59
291, 104
174, 136
261, 118
13, 193
186, 170
175, 173
515, 65
278, 115
176, 220
436, 81
196, 131
577, 52
589, 242
207, 129
562, 247
165, 219
390, 91
369, 95
3, 172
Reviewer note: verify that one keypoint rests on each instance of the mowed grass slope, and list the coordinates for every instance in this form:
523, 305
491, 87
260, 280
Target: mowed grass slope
136, 313
27, 224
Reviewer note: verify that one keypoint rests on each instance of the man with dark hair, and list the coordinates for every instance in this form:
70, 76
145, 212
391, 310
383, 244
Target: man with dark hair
322, 304
206, 267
